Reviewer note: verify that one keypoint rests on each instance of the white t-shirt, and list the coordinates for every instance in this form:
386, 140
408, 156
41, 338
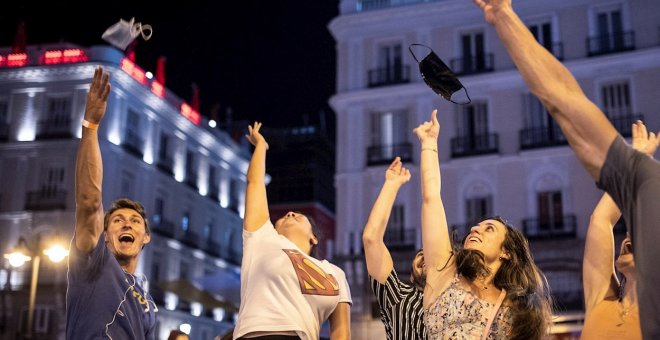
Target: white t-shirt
284, 289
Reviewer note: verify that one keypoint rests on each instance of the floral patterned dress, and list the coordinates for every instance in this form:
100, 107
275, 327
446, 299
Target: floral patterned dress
459, 314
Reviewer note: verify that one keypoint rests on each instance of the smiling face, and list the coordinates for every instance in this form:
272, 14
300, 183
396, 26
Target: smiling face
126, 234
487, 237
418, 273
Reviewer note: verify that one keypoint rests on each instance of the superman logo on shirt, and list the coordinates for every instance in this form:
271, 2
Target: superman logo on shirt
312, 279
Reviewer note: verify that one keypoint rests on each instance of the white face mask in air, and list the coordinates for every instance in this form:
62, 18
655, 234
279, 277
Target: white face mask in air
124, 32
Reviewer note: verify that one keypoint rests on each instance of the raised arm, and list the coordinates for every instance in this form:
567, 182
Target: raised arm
435, 234
379, 260
89, 166
598, 271
585, 126
256, 202
599, 278
340, 322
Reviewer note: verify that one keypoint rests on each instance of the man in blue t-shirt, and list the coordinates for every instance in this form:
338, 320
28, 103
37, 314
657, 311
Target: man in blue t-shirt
104, 297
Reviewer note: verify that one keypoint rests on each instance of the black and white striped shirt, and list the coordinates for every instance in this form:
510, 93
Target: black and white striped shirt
401, 308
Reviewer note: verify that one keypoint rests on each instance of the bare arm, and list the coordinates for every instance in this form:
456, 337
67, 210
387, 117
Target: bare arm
89, 167
340, 322
256, 202
435, 233
598, 271
379, 260
586, 128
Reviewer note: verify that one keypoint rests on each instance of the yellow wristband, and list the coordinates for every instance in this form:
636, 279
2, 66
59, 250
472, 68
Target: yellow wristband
90, 125
430, 149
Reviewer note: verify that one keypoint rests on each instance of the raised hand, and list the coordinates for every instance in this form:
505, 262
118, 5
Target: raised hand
644, 141
490, 8
254, 136
428, 131
397, 173
97, 97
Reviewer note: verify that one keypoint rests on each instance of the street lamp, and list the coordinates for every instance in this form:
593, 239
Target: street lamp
19, 255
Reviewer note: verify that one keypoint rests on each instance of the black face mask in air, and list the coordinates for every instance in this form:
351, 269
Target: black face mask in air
438, 76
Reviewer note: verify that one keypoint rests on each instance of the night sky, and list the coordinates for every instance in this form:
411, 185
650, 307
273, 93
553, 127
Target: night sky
272, 61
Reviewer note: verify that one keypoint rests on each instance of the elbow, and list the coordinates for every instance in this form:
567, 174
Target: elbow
369, 238
88, 201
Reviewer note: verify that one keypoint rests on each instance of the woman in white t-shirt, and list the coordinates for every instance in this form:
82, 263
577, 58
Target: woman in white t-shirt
285, 292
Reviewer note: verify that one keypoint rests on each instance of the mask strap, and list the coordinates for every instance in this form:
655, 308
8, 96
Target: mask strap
413, 54
138, 28
466, 94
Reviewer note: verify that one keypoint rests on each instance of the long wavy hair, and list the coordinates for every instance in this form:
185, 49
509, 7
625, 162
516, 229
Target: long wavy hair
527, 289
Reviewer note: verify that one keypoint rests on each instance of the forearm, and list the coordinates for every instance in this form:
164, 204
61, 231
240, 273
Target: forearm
380, 213
340, 322
435, 234
88, 181
256, 203
586, 128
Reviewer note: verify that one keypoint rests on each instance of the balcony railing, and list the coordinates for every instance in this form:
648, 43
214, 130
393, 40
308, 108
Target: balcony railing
384, 154
541, 137
133, 144
191, 239
474, 145
473, 64
550, 228
611, 43
623, 123
213, 194
165, 164
4, 132
389, 76
400, 238
164, 227
46, 200
371, 5
59, 127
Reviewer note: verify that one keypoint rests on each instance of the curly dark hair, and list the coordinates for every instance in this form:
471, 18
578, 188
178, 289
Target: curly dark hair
527, 289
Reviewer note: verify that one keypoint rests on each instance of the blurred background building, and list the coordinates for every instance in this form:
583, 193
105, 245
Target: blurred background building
501, 154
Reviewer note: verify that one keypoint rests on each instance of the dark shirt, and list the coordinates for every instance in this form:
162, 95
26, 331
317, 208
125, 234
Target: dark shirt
103, 301
401, 308
633, 180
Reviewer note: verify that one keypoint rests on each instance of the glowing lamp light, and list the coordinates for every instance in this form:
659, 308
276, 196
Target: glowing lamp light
149, 75
68, 56
157, 89
133, 70
185, 327
192, 115
56, 253
17, 259
17, 59
212, 123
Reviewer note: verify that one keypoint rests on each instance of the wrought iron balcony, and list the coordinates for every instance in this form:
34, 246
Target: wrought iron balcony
550, 228
473, 64
541, 137
133, 144
623, 123
165, 164
58, 127
163, 227
48, 199
389, 76
474, 145
384, 154
400, 238
611, 43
